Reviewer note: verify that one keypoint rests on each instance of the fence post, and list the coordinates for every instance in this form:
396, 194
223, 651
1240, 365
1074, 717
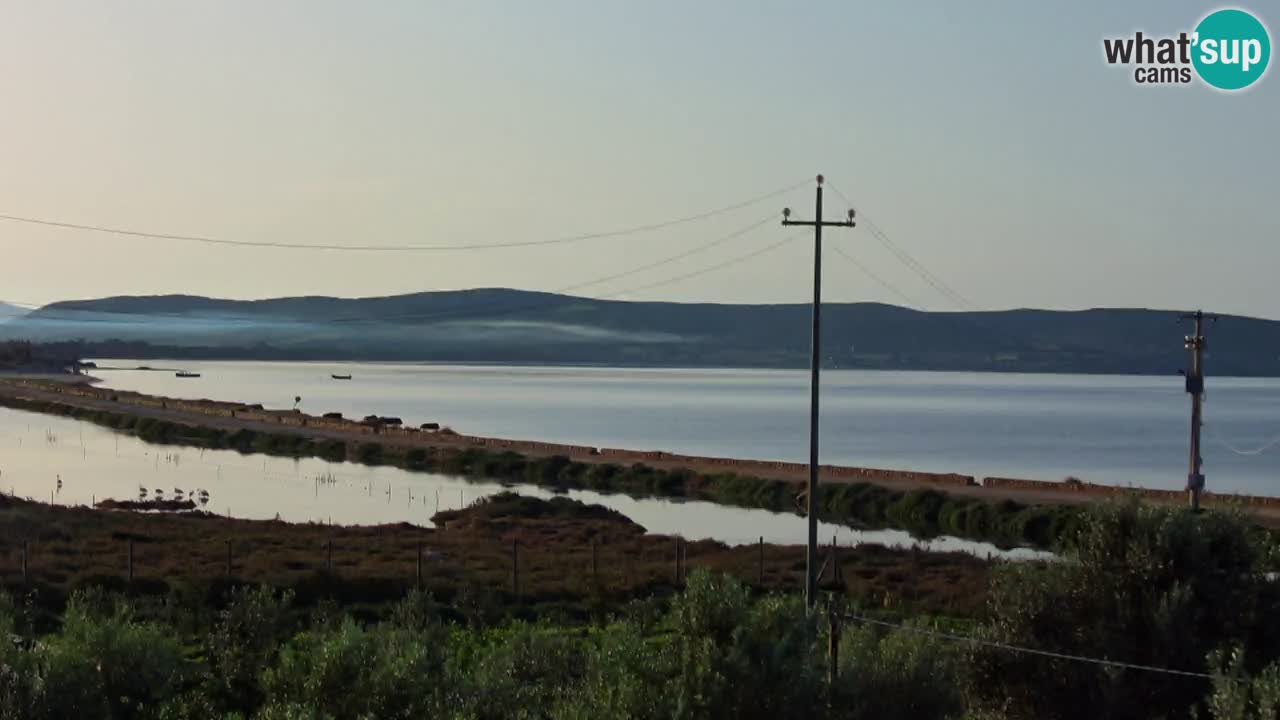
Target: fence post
677, 582
761, 573
515, 567
833, 647
130, 560
684, 561
419, 567
595, 564
836, 575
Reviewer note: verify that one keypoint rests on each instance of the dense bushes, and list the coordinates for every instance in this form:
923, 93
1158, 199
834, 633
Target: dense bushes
1140, 584
1159, 587
717, 653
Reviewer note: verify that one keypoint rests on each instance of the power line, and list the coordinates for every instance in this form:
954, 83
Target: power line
460, 314
1027, 651
138, 318
938, 284
906, 259
1254, 451
1240, 451
879, 280
668, 260
704, 271
648, 227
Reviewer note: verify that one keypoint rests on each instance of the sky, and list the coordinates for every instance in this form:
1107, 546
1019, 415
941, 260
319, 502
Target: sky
988, 140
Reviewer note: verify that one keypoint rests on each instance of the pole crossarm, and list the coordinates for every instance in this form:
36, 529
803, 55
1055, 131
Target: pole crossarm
814, 223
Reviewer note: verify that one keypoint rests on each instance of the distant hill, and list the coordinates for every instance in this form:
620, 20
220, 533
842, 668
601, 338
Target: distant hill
8, 312
501, 325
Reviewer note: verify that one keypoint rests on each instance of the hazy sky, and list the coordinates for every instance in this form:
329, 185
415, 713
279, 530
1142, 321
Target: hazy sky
988, 139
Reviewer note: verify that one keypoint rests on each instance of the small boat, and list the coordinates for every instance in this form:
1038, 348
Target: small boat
185, 374
336, 376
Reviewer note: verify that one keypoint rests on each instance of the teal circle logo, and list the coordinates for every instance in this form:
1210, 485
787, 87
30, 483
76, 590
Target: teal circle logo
1232, 49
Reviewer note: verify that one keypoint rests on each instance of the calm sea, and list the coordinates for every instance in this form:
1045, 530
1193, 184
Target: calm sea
1111, 429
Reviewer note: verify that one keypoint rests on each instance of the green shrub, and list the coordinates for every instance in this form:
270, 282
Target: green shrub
243, 642
740, 659
369, 453
1152, 585
897, 675
104, 664
519, 671
624, 672
347, 671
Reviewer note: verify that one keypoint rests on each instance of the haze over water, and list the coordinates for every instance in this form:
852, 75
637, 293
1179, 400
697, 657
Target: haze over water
1110, 429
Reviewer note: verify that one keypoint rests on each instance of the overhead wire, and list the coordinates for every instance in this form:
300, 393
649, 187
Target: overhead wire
970, 315
1273, 442
906, 258
70, 316
953, 637
635, 229
713, 268
875, 277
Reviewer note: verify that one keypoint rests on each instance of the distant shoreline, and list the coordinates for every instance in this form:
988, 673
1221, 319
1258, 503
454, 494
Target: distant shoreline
498, 364
49, 377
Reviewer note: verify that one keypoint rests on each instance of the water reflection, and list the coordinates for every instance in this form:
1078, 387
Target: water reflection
70, 462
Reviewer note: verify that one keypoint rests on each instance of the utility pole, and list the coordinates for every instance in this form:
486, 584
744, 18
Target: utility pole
1195, 387
815, 363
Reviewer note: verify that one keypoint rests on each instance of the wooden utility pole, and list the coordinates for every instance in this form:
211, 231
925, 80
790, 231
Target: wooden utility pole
1195, 387
815, 362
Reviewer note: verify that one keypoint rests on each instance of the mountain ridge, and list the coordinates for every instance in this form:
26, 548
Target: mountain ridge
506, 325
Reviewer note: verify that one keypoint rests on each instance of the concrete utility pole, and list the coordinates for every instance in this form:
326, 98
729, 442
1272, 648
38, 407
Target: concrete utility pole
1195, 386
815, 362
